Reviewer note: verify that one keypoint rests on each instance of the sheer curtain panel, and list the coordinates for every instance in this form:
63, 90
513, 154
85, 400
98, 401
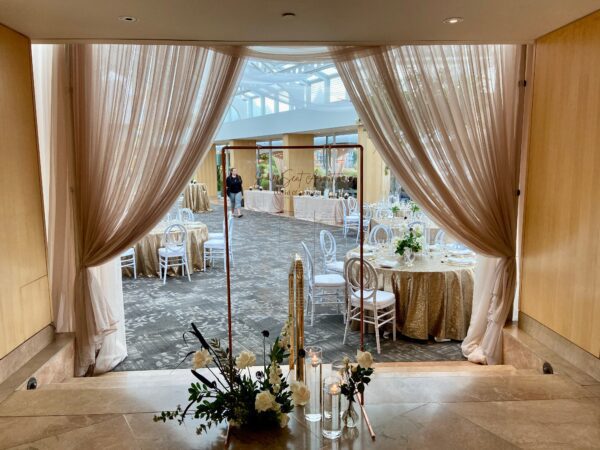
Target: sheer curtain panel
447, 122
141, 118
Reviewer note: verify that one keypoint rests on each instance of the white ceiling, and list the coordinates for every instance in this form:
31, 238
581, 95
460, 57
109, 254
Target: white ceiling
316, 21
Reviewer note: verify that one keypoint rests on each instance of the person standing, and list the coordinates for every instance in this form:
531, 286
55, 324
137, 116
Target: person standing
234, 191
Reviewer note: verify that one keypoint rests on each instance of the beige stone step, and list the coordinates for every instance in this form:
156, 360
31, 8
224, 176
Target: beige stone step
182, 377
77, 398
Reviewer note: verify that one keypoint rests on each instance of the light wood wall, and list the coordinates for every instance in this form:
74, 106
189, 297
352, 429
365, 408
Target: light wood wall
561, 241
245, 162
377, 175
24, 297
207, 172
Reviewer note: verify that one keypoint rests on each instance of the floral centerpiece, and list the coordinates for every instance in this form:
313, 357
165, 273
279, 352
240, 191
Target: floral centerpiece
231, 393
355, 378
411, 240
414, 208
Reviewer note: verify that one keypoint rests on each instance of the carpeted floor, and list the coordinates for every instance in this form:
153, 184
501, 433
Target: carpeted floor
156, 315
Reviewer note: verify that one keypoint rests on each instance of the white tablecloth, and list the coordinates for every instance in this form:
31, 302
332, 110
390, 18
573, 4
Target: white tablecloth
267, 201
319, 209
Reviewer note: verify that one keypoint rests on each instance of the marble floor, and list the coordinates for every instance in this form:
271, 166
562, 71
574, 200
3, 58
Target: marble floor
453, 405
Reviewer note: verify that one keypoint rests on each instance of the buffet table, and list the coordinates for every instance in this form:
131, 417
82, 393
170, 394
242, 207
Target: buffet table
195, 197
434, 296
146, 250
266, 201
319, 209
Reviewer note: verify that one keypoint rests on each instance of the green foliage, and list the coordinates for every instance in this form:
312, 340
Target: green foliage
410, 240
231, 394
357, 378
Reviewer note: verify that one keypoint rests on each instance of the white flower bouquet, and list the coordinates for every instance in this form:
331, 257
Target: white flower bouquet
231, 393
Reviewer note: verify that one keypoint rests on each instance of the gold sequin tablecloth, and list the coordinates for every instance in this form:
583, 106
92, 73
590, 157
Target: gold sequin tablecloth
146, 250
195, 197
433, 298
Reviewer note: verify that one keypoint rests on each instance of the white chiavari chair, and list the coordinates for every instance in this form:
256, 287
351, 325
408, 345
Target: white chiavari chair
381, 305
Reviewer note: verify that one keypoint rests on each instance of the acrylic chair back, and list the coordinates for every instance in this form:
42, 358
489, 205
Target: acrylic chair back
175, 237
185, 215
352, 205
380, 234
370, 281
308, 265
328, 246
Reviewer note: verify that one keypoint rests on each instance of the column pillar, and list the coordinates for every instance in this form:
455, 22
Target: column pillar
206, 172
376, 173
245, 162
299, 166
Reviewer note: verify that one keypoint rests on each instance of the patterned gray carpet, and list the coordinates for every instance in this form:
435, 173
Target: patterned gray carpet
156, 315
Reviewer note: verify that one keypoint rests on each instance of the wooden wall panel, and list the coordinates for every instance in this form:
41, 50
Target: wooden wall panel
24, 298
561, 241
207, 172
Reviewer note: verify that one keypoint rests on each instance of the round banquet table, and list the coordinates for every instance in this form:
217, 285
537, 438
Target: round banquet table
195, 197
433, 296
266, 201
146, 250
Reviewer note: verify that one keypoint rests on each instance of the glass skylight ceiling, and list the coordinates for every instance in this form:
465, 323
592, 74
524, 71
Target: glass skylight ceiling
270, 87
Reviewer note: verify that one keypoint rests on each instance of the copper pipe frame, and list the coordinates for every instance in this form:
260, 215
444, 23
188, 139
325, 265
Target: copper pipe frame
224, 150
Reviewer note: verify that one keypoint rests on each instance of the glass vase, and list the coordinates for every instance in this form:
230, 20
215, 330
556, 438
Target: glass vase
409, 257
350, 416
331, 428
313, 380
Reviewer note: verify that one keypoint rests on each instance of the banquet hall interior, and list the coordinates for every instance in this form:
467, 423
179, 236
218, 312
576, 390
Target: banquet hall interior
420, 183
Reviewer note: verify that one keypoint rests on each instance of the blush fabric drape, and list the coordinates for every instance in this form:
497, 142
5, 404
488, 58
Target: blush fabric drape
446, 121
133, 125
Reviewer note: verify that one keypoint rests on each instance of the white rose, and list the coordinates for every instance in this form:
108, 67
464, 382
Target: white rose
264, 401
276, 388
274, 373
283, 341
245, 359
364, 359
300, 393
283, 420
202, 359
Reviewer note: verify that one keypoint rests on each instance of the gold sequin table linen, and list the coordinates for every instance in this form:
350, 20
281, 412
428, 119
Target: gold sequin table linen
433, 298
146, 250
195, 197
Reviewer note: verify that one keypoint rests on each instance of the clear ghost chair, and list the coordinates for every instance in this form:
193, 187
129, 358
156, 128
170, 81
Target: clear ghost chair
380, 234
174, 253
329, 250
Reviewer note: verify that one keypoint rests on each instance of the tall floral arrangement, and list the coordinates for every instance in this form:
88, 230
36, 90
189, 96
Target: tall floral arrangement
228, 390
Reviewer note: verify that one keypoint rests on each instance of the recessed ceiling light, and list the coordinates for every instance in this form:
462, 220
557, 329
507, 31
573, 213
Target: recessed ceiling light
288, 15
127, 19
453, 20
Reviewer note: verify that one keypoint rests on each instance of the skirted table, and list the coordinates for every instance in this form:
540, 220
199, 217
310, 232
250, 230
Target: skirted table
319, 209
146, 250
195, 197
433, 296
266, 201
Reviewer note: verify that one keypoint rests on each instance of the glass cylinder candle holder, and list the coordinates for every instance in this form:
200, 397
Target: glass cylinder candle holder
331, 423
338, 368
313, 364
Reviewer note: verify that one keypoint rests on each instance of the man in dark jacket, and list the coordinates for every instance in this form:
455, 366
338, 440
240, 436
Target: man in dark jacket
234, 191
